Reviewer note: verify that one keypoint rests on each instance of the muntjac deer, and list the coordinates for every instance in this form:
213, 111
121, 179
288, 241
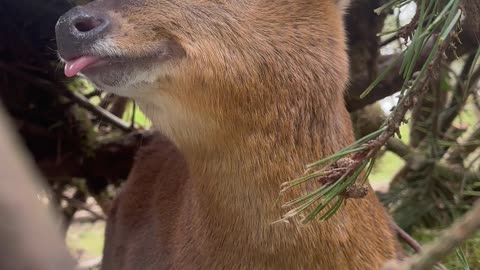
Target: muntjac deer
246, 92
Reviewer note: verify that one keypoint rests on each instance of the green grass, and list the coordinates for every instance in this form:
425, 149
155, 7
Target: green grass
85, 241
467, 117
140, 119
387, 166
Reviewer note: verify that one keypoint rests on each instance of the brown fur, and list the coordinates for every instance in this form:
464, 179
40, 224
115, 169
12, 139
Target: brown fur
258, 94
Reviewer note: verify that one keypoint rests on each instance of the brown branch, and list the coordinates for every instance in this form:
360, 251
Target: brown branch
417, 160
69, 210
98, 111
460, 96
110, 160
407, 238
361, 78
391, 83
399, 148
119, 106
470, 36
361, 81
77, 98
81, 205
95, 93
459, 151
444, 245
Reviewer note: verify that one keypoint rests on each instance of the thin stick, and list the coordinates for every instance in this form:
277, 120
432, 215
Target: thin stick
451, 239
98, 111
75, 97
407, 238
80, 205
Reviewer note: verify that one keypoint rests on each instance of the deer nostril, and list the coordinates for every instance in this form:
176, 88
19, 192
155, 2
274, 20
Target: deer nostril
79, 29
88, 24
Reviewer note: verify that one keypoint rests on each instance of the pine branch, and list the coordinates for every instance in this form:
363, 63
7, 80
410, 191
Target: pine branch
338, 173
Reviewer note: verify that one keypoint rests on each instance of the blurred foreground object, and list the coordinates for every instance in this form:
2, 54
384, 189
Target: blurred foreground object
29, 236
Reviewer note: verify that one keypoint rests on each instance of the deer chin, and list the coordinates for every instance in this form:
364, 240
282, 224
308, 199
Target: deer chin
118, 75
124, 74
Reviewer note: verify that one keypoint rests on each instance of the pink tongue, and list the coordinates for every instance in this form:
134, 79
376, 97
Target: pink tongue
73, 67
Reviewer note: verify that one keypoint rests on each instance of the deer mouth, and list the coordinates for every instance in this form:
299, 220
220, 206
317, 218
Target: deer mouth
89, 65
75, 66
85, 65
114, 73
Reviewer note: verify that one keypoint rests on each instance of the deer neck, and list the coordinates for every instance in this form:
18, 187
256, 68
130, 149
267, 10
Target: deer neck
239, 159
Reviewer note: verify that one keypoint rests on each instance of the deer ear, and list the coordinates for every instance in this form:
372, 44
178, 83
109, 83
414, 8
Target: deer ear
343, 4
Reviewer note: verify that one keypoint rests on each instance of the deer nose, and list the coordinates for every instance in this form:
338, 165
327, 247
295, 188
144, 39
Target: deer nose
78, 30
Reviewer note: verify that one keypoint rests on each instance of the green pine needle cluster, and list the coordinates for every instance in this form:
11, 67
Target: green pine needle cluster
435, 21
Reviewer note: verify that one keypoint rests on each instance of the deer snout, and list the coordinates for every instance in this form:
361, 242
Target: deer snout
78, 30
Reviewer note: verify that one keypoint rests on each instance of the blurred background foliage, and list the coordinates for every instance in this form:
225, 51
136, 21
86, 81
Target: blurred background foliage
84, 140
